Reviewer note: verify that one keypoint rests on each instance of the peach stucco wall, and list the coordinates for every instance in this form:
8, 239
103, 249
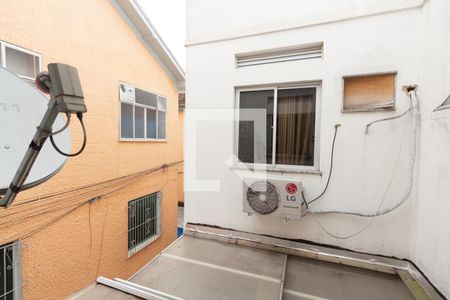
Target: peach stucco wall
91, 240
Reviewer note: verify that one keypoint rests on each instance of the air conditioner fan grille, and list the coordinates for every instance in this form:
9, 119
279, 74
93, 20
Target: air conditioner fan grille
263, 197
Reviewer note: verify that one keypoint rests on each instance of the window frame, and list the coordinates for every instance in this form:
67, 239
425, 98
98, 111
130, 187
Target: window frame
273, 167
134, 139
3, 62
17, 267
143, 244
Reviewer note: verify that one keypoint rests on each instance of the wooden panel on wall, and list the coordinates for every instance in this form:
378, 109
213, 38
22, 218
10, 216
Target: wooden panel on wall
369, 92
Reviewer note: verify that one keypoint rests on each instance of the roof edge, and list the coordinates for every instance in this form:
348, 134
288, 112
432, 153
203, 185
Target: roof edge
134, 16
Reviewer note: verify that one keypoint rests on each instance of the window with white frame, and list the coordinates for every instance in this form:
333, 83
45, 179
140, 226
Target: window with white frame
24, 63
143, 115
10, 281
144, 222
286, 136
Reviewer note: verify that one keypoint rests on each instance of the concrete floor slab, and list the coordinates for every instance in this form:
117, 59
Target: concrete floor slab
321, 280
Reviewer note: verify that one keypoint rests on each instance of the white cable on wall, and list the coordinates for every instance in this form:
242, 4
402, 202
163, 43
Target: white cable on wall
372, 219
414, 108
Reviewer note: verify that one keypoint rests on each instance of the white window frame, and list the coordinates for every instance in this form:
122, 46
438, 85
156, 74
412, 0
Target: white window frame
133, 103
4, 64
315, 168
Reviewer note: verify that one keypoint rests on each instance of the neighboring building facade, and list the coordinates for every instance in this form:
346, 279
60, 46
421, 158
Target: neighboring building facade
114, 207
324, 63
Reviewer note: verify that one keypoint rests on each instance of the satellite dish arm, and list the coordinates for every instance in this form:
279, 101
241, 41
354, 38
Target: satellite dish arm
66, 96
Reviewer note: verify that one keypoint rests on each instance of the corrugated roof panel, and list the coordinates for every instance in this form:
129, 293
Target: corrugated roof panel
216, 267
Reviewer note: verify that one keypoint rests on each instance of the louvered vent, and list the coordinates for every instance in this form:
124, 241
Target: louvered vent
271, 56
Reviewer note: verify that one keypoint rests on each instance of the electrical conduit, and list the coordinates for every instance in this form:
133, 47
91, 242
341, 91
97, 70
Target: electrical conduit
414, 108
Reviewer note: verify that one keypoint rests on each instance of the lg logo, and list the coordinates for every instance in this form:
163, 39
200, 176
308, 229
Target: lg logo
291, 188
291, 198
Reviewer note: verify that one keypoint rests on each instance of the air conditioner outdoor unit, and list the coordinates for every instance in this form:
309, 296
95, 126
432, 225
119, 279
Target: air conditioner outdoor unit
275, 197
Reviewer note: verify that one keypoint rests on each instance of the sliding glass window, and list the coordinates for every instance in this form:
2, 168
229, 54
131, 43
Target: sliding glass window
288, 135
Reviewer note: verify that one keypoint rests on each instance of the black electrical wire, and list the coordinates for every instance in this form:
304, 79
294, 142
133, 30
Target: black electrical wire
304, 200
59, 130
64, 127
72, 208
3, 191
331, 167
54, 207
93, 185
80, 118
51, 222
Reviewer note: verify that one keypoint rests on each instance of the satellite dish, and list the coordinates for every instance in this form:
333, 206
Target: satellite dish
22, 108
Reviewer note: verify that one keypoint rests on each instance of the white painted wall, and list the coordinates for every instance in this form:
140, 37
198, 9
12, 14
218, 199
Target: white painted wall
213, 20
431, 236
406, 38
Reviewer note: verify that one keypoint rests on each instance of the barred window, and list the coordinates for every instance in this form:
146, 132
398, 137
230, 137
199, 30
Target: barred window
144, 222
10, 271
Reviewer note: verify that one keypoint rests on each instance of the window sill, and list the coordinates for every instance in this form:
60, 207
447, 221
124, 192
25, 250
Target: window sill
278, 169
142, 245
142, 140
368, 109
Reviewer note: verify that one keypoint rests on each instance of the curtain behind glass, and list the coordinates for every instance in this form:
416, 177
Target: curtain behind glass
296, 126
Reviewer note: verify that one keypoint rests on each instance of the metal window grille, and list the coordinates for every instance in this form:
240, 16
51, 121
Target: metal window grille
144, 222
10, 281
